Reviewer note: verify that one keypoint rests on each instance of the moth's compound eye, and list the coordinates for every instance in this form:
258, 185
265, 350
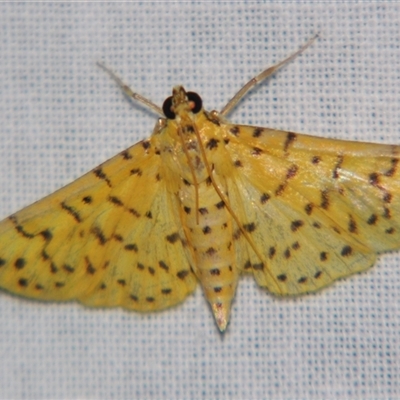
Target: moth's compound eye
167, 108
195, 101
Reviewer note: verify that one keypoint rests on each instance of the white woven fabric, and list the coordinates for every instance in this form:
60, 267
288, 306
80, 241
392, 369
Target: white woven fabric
61, 116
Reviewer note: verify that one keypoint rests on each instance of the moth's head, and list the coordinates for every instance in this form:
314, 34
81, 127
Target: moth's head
181, 102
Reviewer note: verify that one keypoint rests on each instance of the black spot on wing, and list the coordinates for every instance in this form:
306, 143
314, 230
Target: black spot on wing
211, 251
256, 151
212, 144
68, 268
146, 144
317, 225
374, 179
183, 274
220, 205
45, 256
116, 201
206, 230
251, 227
126, 155
23, 282
282, 277
295, 245
140, 266
264, 198
20, 263
386, 213
352, 225
134, 212
292, 171
387, 197
90, 269
19, 228
324, 199
99, 173
131, 247
290, 138
87, 199
163, 265
136, 171
280, 189
346, 251
271, 252
174, 237
295, 225
150, 299
339, 162
309, 208
247, 265
53, 268
235, 130
71, 211
316, 160
47, 235
257, 132
317, 274
118, 237
393, 168
96, 231
258, 266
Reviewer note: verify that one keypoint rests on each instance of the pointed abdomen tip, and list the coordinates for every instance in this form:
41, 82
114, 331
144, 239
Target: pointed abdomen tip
221, 314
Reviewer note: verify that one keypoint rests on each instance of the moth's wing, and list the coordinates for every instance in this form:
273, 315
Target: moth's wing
110, 238
321, 209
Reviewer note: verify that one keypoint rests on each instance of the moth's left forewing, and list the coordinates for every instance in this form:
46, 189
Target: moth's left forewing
323, 208
359, 186
110, 238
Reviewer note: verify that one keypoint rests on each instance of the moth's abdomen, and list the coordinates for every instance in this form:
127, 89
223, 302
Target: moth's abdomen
209, 234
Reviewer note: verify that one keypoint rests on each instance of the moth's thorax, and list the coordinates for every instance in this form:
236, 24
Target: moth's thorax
182, 141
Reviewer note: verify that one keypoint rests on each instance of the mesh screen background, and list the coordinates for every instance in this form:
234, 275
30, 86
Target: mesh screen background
62, 116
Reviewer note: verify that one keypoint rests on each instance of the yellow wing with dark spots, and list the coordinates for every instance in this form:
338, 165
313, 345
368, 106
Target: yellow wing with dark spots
108, 239
321, 209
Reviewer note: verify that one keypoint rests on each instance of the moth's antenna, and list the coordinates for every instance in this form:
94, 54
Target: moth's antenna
129, 92
260, 77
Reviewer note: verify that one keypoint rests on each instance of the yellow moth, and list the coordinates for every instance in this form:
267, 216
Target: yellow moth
205, 200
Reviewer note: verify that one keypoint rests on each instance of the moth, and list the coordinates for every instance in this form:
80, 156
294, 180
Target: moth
205, 200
